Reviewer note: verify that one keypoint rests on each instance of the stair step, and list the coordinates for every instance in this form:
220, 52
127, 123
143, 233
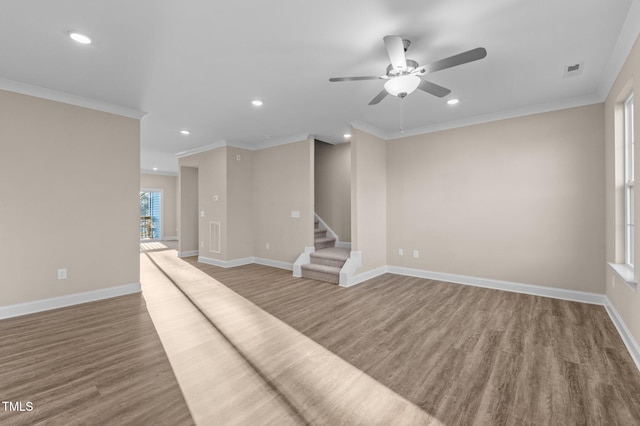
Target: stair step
321, 272
324, 242
332, 256
319, 233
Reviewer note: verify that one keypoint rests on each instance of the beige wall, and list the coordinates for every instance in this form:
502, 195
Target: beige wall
624, 299
188, 209
212, 182
240, 203
69, 191
256, 192
333, 187
169, 187
519, 200
369, 199
283, 182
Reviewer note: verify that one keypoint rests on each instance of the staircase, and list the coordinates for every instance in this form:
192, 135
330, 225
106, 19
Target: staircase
327, 260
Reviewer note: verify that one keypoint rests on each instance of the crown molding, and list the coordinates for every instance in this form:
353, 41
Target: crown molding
67, 98
627, 38
500, 115
268, 144
198, 150
369, 128
158, 172
273, 142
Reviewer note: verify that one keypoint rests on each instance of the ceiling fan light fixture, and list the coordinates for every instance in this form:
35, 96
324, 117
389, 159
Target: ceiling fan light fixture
402, 85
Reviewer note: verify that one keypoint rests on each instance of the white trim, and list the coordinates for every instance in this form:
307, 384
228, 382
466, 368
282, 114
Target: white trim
188, 253
205, 148
625, 334
245, 261
480, 119
170, 238
303, 259
360, 278
628, 36
157, 172
67, 98
226, 263
535, 290
274, 263
625, 273
270, 143
35, 306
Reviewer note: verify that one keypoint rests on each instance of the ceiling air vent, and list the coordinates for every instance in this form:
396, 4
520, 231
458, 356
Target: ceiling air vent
573, 70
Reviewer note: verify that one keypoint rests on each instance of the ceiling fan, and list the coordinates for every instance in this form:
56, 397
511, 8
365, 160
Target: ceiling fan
404, 75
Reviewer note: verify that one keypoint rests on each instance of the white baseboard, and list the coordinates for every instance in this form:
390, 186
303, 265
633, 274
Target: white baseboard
245, 261
274, 263
26, 308
172, 238
357, 279
226, 263
189, 253
625, 334
554, 293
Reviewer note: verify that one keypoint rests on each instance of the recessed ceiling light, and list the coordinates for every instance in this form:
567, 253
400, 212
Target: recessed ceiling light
80, 38
185, 132
256, 102
347, 135
453, 101
155, 169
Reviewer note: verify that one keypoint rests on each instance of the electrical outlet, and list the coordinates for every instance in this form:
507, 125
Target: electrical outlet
400, 252
201, 243
215, 198
295, 214
267, 246
238, 157
416, 254
202, 213
62, 273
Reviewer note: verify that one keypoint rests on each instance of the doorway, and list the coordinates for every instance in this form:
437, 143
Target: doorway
150, 215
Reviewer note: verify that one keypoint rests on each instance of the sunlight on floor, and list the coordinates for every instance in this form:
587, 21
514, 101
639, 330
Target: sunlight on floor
153, 245
294, 373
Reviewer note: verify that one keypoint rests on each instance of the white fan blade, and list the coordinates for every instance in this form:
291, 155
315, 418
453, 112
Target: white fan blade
395, 49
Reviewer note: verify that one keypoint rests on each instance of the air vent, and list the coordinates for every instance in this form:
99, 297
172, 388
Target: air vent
573, 70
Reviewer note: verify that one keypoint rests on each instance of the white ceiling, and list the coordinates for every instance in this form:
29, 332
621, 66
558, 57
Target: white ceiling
197, 64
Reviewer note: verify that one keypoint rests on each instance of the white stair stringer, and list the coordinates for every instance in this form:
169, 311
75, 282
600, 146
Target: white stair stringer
303, 259
350, 267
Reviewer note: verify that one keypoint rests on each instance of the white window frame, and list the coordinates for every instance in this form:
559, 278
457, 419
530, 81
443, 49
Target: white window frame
629, 177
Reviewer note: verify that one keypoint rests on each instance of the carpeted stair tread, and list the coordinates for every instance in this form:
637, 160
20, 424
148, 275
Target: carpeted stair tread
321, 272
324, 240
333, 253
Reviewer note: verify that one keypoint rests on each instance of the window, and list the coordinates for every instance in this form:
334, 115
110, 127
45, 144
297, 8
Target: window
629, 246
150, 208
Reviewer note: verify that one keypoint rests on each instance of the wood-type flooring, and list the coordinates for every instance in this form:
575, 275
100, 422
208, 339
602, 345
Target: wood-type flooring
465, 355
98, 363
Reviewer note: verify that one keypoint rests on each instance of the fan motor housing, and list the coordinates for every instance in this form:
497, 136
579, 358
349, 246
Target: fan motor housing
411, 65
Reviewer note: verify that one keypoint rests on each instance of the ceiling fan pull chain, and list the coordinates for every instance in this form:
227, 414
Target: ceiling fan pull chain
402, 115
